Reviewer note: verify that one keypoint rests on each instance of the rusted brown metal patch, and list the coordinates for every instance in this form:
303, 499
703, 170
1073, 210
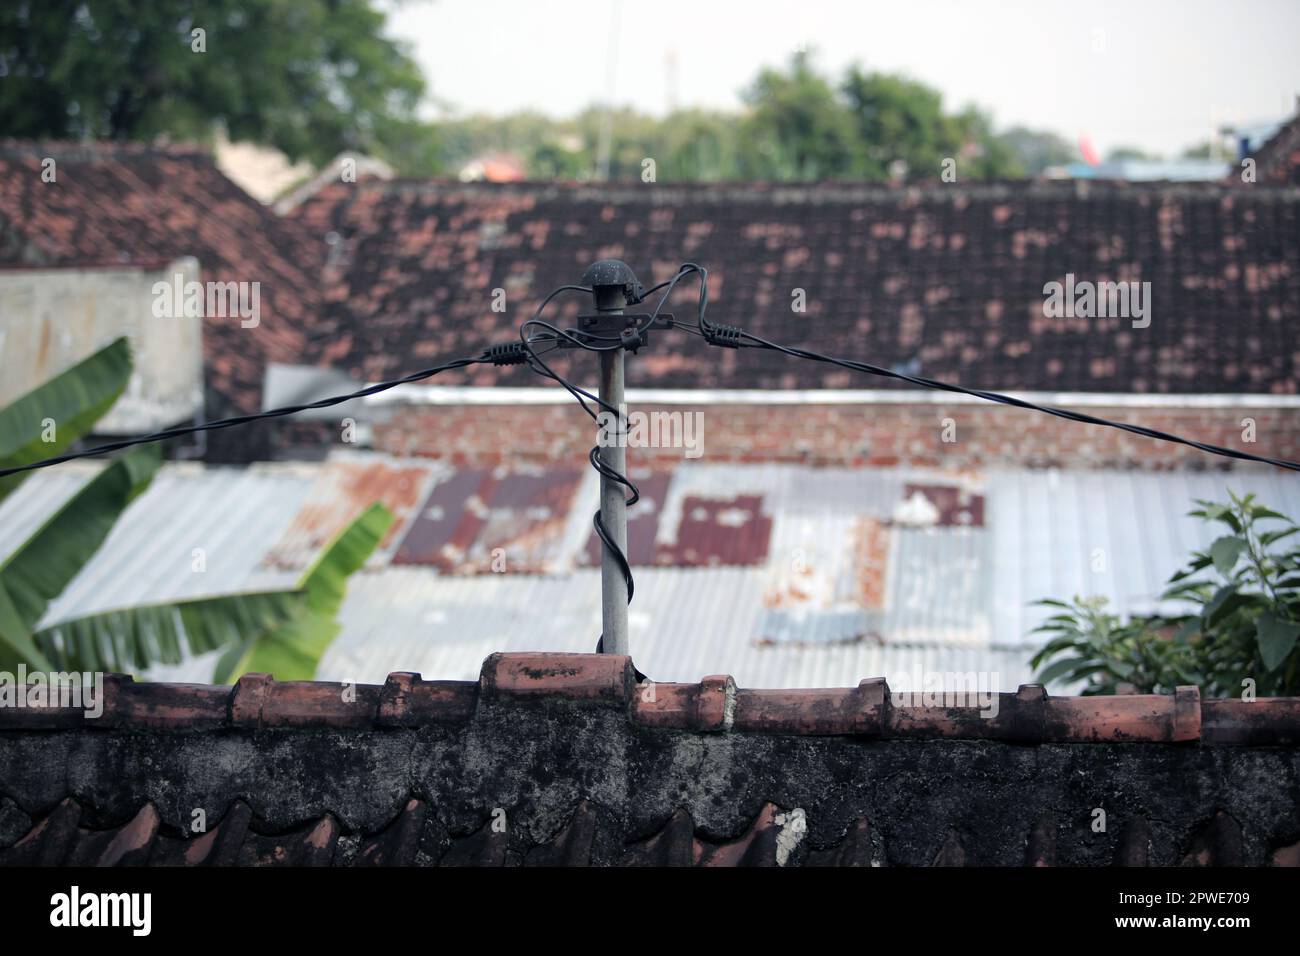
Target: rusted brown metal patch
479, 521
719, 531
957, 506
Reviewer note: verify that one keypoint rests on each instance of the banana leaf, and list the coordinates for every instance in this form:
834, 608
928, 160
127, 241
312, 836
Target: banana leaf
73, 400
46, 562
280, 632
293, 651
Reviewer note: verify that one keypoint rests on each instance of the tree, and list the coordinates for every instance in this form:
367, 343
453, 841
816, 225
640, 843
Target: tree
632, 138
311, 78
873, 126
1036, 150
698, 146
1243, 632
1122, 154
898, 120
902, 127
1202, 150
983, 154
797, 127
284, 632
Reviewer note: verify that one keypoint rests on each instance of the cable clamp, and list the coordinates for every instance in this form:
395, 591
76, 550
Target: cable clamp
507, 353
724, 336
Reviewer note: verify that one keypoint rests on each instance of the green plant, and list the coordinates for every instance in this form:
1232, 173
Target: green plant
312, 78
1245, 626
284, 632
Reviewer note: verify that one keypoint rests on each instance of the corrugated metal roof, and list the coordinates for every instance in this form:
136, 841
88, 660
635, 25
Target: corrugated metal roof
683, 624
346, 484
37, 499
940, 586
842, 593
642, 520
1118, 534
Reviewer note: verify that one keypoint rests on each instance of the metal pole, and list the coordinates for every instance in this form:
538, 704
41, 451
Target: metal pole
613, 503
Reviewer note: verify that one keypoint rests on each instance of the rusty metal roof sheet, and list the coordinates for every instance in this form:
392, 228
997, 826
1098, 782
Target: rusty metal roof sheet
346, 484
499, 520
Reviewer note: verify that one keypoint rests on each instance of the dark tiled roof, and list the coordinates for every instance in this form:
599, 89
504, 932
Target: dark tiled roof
146, 205
427, 772
945, 280
1277, 161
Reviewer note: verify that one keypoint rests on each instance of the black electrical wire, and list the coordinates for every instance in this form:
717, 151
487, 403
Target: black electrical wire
684, 270
1064, 413
498, 355
728, 336
525, 352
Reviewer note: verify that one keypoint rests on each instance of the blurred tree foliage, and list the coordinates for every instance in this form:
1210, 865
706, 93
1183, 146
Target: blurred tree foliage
797, 125
314, 78
1037, 150
309, 77
1121, 153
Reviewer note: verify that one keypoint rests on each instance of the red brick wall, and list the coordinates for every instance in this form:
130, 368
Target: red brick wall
866, 434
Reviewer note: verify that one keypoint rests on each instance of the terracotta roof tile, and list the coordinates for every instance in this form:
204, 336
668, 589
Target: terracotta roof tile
713, 705
943, 280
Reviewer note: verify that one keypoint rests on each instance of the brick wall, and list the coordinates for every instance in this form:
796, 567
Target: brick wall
877, 433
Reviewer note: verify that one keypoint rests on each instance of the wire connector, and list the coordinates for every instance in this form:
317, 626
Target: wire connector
507, 353
724, 336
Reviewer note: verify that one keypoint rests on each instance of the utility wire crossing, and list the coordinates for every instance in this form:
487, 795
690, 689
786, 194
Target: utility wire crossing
538, 337
526, 351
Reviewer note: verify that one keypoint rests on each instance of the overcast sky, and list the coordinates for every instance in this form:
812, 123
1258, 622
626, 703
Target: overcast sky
1157, 74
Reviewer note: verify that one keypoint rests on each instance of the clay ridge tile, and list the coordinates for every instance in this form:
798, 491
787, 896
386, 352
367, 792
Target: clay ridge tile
714, 705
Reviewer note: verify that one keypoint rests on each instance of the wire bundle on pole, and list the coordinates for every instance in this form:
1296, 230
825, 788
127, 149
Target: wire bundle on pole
591, 342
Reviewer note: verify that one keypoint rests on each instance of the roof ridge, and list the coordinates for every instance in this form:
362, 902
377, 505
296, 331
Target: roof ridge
98, 149
822, 191
1286, 130
713, 705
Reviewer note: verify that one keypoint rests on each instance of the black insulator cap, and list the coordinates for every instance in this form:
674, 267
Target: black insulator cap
612, 275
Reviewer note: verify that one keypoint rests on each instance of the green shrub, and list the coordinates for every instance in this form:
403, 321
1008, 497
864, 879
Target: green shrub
1245, 591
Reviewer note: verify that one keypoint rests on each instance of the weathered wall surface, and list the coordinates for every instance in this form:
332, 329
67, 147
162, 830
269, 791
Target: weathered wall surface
592, 773
51, 319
